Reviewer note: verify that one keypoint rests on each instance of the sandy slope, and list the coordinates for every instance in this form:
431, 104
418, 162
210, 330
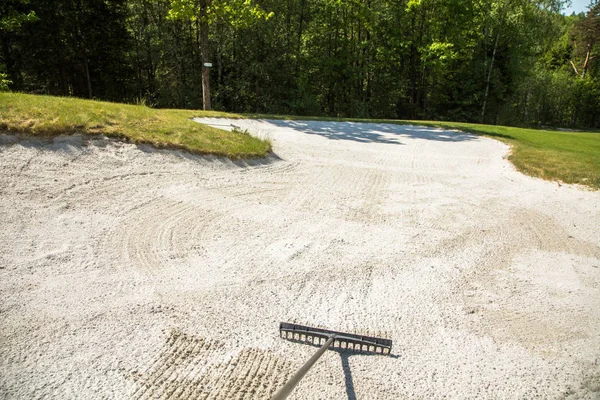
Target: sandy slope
127, 272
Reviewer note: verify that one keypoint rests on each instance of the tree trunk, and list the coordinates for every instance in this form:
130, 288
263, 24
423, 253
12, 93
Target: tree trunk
300, 33
87, 75
489, 78
205, 55
586, 63
11, 69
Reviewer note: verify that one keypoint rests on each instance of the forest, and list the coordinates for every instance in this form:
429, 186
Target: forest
507, 62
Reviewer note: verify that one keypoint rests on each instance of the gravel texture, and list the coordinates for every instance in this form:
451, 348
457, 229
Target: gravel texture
127, 272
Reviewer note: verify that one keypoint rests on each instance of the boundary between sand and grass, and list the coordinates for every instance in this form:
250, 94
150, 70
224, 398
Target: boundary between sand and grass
557, 155
569, 157
48, 116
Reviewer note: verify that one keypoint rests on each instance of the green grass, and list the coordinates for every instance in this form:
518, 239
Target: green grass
52, 116
569, 157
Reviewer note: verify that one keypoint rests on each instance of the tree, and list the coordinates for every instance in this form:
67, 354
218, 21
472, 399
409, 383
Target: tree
498, 61
587, 40
236, 12
13, 14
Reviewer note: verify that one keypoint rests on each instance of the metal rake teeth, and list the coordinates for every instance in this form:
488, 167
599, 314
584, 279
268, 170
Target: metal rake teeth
342, 341
326, 339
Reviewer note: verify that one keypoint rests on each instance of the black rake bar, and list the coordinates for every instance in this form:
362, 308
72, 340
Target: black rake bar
343, 341
326, 340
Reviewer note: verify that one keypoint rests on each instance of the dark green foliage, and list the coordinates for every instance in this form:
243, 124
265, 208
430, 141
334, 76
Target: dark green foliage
493, 61
74, 47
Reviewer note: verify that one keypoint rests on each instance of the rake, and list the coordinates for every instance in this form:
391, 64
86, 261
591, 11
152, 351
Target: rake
327, 340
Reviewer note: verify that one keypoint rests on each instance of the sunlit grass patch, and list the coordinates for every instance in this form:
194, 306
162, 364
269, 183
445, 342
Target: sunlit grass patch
53, 116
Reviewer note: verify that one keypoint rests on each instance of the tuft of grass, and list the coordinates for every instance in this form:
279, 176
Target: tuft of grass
173, 129
569, 157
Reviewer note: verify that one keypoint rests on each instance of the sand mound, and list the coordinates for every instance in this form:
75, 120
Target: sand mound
130, 272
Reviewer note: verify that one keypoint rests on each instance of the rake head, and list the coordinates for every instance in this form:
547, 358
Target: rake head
342, 341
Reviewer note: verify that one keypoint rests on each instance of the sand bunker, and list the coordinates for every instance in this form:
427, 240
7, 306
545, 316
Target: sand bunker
127, 272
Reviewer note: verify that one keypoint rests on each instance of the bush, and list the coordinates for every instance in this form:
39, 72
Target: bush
4, 82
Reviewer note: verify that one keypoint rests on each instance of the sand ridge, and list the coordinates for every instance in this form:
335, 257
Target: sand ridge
128, 272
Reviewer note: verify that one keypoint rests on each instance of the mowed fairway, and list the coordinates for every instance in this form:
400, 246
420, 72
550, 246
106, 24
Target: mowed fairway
128, 272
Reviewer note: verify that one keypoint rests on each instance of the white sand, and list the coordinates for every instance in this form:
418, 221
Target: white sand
132, 273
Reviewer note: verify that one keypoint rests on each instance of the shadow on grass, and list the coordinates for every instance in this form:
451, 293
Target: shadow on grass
372, 132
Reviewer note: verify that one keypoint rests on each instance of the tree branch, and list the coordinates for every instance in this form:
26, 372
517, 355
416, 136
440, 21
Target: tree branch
574, 67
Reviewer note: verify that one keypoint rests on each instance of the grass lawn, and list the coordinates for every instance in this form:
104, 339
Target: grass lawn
570, 157
53, 116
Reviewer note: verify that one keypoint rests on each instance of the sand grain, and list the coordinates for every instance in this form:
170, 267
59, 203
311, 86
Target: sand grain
128, 272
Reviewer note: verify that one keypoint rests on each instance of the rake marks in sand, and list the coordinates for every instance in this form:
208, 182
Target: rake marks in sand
193, 367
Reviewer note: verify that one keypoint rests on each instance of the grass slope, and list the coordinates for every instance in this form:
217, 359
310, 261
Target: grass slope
53, 116
569, 157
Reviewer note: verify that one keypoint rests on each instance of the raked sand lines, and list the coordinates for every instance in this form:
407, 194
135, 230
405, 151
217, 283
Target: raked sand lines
190, 367
160, 274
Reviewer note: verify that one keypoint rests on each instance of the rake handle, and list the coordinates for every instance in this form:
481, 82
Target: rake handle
285, 391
